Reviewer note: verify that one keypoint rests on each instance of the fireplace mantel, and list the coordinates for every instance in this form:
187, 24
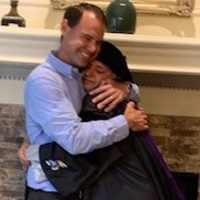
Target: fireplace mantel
146, 54
167, 69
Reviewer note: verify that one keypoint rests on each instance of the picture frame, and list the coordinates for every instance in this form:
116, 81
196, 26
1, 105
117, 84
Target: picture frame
181, 8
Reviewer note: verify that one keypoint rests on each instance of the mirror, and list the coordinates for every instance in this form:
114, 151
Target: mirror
182, 8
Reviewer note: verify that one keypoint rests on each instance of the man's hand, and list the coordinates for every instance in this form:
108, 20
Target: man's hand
110, 94
21, 154
136, 119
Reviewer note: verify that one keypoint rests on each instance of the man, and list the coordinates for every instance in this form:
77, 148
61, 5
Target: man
53, 96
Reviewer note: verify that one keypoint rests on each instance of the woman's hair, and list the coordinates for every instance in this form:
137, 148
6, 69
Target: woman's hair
113, 58
74, 13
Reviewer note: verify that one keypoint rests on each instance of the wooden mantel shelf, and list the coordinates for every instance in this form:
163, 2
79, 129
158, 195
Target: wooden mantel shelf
21, 47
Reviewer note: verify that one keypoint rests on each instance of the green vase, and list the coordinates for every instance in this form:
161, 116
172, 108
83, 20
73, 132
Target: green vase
121, 17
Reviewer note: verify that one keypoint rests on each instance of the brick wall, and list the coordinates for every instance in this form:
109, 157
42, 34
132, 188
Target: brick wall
178, 138
11, 135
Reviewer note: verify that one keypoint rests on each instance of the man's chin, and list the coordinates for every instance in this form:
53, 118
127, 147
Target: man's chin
84, 62
82, 65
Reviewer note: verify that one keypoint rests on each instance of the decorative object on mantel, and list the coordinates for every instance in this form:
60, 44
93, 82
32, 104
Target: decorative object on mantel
13, 17
181, 8
121, 17
63, 4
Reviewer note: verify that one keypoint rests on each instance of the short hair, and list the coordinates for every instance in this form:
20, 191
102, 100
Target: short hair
74, 13
113, 58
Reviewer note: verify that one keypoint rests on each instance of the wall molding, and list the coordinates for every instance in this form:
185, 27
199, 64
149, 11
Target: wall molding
149, 55
15, 71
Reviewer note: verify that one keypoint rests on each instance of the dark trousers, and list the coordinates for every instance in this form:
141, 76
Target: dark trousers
33, 194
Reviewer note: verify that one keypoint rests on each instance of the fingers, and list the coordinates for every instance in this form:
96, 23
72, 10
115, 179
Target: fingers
109, 94
111, 102
103, 92
109, 97
139, 128
136, 119
108, 103
21, 154
130, 105
106, 81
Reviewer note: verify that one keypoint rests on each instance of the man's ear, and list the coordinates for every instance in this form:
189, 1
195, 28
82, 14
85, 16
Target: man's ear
64, 26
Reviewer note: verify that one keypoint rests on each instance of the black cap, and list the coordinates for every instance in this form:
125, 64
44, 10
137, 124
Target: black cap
115, 60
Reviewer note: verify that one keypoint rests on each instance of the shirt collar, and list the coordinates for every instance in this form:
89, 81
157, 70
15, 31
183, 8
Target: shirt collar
63, 68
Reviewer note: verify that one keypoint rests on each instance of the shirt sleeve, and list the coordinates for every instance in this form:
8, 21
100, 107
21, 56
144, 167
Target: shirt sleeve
50, 108
134, 92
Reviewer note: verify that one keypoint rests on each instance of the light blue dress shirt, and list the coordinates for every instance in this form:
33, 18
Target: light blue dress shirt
53, 98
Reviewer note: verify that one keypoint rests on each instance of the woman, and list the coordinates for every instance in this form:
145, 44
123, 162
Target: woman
130, 169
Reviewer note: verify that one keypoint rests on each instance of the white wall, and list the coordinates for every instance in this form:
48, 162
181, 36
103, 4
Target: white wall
37, 13
171, 25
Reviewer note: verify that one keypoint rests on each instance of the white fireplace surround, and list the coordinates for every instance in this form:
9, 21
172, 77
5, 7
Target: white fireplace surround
22, 49
147, 54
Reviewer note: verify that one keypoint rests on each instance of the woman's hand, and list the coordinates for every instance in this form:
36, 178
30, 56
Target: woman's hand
109, 94
21, 154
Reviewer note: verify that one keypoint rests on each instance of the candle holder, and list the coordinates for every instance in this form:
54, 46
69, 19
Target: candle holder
13, 17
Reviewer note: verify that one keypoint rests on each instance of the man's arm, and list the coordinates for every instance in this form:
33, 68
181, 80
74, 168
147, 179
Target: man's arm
51, 109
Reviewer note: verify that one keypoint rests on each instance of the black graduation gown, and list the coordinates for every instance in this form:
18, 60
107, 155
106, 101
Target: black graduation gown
125, 170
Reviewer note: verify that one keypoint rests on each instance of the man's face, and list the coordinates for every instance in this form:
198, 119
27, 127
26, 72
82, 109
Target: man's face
82, 43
